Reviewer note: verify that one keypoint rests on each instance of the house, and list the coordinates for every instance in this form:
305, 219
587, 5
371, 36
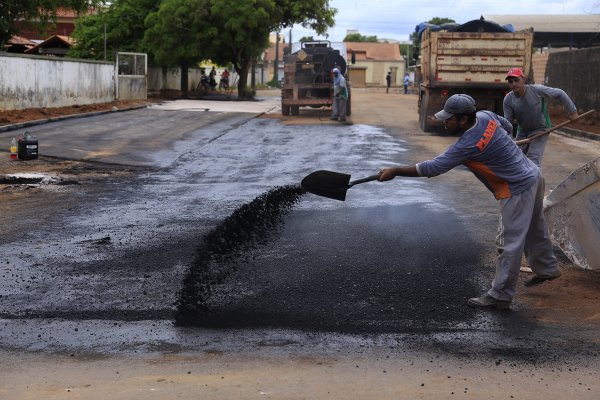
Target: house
64, 25
372, 63
267, 70
56, 45
18, 44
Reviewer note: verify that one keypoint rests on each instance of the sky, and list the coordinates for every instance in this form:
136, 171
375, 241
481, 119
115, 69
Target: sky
396, 19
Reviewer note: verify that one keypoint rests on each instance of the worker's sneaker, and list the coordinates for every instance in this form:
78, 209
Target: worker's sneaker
538, 280
342, 119
333, 118
487, 301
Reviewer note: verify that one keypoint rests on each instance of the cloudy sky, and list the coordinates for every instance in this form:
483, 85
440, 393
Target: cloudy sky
396, 19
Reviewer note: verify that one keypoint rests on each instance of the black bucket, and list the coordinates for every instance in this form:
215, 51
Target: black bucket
27, 147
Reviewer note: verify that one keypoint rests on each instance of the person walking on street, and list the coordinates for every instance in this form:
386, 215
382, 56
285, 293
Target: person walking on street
486, 148
340, 96
406, 82
388, 79
526, 103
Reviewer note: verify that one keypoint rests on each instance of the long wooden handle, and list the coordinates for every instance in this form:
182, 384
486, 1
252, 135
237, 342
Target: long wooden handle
547, 131
363, 180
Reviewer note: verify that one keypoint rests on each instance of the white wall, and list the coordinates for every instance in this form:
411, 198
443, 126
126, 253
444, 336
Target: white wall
170, 78
35, 82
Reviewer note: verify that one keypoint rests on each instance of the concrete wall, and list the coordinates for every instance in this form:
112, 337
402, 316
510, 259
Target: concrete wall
132, 88
170, 78
35, 82
576, 72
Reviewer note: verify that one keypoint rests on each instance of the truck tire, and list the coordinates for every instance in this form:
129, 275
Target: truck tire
423, 109
285, 109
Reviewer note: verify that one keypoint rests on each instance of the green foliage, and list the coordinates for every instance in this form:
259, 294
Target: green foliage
124, 22
179, 32
238, 30
36, 13
174, 33
440, 21
306, 39
357, 37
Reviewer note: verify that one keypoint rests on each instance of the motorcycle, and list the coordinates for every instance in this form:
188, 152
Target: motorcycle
224, 83
203, 85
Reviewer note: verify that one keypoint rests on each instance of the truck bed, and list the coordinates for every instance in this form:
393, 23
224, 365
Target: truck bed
473, 59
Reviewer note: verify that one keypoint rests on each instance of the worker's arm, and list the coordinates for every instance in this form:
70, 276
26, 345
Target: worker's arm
558, 95
387, 174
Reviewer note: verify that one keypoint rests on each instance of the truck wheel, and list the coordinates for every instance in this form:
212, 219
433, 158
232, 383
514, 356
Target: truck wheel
295, 110
285, 109
423, 120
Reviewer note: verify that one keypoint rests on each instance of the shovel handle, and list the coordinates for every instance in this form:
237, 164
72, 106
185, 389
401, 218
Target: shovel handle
547, 131
363, 180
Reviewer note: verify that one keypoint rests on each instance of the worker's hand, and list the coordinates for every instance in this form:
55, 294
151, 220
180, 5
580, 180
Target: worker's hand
386, 174
573, 115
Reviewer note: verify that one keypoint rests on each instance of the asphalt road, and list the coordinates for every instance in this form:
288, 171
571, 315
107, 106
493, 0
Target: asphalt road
213, 249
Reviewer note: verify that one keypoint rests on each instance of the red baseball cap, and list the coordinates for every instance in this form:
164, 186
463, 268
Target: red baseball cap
514, 72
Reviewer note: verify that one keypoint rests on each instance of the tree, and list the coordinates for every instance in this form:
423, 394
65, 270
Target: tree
178, 34
238, 30
306, 39
440, 21
357, 37
35, 13
124, 23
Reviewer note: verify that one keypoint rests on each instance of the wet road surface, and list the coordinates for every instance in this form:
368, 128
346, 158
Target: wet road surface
390, 267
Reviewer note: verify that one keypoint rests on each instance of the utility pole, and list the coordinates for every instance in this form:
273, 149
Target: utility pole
276, 62
104, 42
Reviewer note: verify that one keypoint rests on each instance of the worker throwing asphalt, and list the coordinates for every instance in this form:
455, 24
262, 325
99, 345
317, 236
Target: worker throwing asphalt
340, 96
527, 105
487, 149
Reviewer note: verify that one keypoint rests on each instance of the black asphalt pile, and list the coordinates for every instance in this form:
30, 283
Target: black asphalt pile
247, 227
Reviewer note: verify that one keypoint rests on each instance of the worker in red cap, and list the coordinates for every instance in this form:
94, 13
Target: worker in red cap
526, 104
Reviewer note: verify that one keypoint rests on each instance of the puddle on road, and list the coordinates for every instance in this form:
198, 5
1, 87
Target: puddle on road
248, 226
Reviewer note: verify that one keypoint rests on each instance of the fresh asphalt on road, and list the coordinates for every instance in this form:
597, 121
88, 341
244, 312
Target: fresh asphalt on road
216, 241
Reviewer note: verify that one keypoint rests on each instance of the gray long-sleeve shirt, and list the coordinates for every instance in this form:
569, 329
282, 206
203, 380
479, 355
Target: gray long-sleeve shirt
527, 110
487, 149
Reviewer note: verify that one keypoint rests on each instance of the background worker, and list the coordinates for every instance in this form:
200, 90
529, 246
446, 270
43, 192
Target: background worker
527, 104
340, 96
487, 149
388, 79
406, 82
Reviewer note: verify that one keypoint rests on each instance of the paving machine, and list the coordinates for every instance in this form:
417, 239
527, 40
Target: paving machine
308, 81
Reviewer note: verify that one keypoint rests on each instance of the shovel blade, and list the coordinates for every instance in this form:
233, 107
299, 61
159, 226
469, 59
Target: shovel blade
333, 185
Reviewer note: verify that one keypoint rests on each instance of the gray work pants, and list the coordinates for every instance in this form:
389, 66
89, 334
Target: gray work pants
535, 149
338, 108
523, 225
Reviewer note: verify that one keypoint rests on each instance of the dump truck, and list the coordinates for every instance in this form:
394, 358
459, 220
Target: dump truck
307, 78
474, 63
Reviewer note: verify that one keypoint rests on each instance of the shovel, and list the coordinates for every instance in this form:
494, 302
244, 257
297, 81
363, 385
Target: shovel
547, 131
333, 185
